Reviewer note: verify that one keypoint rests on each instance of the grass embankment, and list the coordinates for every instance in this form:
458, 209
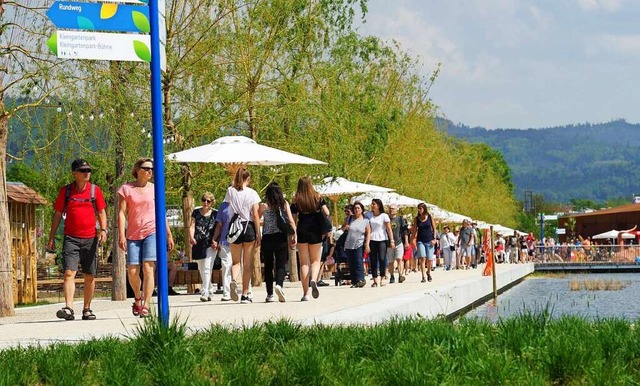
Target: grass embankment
530, 349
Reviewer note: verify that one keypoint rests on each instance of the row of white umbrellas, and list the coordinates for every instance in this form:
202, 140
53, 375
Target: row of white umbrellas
234, 151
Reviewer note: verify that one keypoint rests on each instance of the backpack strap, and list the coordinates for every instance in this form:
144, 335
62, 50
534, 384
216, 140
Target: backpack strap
67, 195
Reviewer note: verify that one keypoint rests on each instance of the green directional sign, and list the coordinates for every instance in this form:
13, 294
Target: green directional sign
100, 46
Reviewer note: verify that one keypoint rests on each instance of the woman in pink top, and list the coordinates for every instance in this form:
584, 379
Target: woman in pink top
136, 214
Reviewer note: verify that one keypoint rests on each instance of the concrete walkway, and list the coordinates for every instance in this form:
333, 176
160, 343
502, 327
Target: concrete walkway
449, 292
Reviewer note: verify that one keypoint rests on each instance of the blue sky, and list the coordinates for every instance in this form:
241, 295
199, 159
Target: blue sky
521, 64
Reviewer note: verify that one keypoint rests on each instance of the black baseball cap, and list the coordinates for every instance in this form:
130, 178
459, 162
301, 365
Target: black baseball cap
79, 163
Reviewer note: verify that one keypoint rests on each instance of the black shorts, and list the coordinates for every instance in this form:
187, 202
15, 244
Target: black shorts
248, 235
76, 251
309, 236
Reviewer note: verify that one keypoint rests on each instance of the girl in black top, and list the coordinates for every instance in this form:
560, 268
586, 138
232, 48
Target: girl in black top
307, 204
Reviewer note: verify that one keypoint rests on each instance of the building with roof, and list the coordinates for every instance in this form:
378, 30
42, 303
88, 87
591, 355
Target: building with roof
22, 203
600, 221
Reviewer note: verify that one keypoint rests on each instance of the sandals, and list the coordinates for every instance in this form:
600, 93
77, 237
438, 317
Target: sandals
87, 314
374, 284
135, 308
65, 313
144, 311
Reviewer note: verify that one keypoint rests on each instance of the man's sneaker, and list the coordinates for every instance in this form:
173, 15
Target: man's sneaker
305, 298
361, 283
250, 295
172, 292
322, 283
314, 289
204, 296
392, 279
401, 279
225, 298
280, 293
245, 300
234, 291
270, 299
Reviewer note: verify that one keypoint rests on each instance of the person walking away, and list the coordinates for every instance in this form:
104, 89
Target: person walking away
424, 238
381, 238
275, 242
243, 203
357, 241
137, 233
201, 238
80, 203
221, 246
307, 206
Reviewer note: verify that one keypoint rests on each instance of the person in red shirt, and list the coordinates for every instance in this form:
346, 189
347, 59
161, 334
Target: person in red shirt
80, 205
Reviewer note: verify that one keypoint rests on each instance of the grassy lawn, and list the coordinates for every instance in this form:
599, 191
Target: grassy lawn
526, 350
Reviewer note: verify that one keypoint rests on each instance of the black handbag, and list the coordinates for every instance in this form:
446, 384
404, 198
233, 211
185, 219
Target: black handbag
283, 224
217, 262
324, 221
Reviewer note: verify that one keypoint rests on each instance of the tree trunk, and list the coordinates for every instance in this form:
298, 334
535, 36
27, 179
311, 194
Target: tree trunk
187, 206
6, 259
119, 269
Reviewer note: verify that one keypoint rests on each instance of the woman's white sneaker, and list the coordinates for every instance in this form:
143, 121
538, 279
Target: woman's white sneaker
280, 293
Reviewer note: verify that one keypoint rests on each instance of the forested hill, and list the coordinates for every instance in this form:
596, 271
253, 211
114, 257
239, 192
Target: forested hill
598, 162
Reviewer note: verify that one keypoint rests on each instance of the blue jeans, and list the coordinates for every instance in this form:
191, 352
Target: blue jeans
426, 250
378, 257
144, 250
356, 269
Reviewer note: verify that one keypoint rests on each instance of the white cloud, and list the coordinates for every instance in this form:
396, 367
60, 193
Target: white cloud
608, 44
596, 5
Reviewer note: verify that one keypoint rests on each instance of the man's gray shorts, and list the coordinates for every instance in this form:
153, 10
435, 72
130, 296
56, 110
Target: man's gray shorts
396, 252
80, 251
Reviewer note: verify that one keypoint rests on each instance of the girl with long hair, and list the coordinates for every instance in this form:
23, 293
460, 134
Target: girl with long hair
243, 203
275, 242
137, 233
424, 239
307, 205
381, 238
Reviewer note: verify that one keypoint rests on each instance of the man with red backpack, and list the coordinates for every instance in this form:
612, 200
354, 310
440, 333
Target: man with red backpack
80, 203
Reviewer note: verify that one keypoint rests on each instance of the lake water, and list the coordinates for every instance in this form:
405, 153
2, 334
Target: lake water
554, 294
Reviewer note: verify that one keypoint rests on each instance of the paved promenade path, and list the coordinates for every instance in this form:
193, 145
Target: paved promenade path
449, 292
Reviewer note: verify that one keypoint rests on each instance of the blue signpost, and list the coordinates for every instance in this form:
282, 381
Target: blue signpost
100, 17
158, 164
116, 17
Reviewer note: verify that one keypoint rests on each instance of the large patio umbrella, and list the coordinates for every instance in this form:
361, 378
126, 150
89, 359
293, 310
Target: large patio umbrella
235, 151
612, 234
334, 187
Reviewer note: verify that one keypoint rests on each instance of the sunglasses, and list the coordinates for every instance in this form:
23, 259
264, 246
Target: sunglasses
147, 168
207, 201
84, 170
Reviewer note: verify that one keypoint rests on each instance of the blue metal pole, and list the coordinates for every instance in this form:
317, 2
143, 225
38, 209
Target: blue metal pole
541, 227
158, 164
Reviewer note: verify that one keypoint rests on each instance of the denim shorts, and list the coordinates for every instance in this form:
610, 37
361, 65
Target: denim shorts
144, 250
425, 250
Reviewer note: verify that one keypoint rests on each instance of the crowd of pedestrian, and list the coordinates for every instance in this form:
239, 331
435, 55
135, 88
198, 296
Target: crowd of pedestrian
370, 244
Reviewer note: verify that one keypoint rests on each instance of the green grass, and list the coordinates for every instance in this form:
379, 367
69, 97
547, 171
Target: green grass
531, 349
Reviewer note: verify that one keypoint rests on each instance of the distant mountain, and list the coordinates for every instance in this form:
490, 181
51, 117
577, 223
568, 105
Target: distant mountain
596, 162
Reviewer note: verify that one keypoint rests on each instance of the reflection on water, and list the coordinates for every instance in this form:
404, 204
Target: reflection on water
554, 295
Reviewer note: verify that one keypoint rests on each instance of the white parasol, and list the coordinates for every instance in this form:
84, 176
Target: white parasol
387, 198
334, 187
235, 151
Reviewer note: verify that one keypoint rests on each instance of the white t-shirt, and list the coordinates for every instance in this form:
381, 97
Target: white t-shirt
378, 227
241, 202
